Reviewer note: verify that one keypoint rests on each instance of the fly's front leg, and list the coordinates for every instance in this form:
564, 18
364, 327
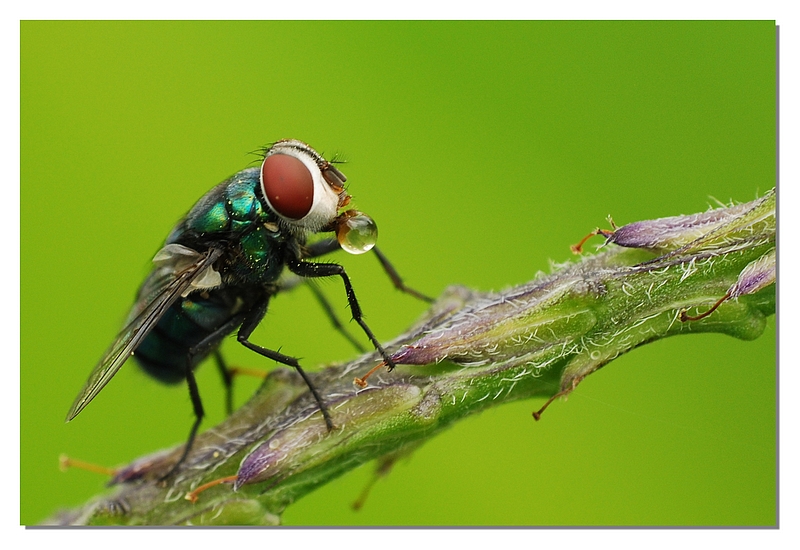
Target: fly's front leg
249, 324
288, 283
315, 270
337, 324
326, 246
397, 281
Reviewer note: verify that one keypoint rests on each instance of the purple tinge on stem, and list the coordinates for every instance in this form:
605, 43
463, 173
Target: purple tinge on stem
155, 464
416, 355
674, 231
255, 465
262, 463
757, 275
505, 325
473, 332
283, 452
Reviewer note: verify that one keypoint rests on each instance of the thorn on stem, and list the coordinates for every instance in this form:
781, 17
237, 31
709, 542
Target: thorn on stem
384, 467
192, 496
244, 371
537, 415
684, 316
578, 248
65, 463
362, 382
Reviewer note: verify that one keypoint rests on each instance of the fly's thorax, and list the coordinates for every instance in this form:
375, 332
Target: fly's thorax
233, 207
261, 216
255, 257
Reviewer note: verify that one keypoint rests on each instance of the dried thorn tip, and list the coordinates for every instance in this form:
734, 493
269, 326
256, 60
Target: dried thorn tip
235, 371
65, 463
193, 495
362, 382
538, 414
578, 248
684, 316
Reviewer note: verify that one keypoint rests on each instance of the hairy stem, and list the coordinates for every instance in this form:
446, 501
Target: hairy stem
709, 272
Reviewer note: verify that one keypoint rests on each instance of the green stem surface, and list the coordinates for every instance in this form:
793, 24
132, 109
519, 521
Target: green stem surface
470, 351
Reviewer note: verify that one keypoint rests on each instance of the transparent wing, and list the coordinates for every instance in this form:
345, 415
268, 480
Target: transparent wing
168, 282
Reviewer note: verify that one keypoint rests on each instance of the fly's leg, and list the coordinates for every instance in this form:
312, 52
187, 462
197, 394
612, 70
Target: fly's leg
227, 380
337, 324
315, 270
197, 405
396, 279
194, 393
290, 283
326, 246
249, 324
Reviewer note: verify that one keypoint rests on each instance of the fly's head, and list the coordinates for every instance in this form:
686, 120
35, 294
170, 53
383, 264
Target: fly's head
307, 193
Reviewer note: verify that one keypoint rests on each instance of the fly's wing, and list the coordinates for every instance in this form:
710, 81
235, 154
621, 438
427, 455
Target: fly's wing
179, 271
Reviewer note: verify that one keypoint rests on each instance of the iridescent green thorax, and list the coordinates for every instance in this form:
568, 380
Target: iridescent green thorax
233, 212
231, 207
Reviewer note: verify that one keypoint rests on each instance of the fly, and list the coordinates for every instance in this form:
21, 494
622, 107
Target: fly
220, 266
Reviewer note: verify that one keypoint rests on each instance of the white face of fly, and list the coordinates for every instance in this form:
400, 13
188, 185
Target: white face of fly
301, 187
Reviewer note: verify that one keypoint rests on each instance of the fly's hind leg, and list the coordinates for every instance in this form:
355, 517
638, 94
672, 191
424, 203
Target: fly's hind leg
194, 393
227, 380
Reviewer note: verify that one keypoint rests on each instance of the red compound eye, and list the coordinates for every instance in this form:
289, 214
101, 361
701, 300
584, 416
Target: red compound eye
287, 185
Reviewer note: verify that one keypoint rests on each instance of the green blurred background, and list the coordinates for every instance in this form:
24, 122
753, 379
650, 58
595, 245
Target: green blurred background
483, 150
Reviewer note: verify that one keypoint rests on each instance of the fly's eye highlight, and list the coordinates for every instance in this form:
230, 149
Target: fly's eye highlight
356, 232
287, 185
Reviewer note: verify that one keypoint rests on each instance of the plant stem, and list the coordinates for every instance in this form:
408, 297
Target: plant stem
470, 351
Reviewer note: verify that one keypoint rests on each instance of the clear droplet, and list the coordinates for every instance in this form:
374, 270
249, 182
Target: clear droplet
357, 233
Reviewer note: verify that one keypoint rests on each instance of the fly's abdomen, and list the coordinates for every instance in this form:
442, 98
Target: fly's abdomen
165, 351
